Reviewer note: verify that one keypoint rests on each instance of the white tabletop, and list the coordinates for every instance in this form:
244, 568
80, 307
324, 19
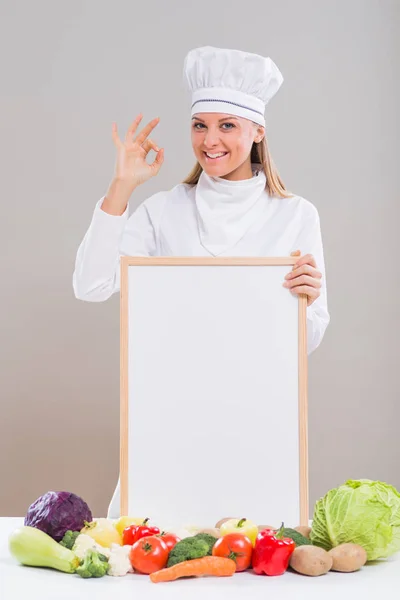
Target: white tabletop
17, 581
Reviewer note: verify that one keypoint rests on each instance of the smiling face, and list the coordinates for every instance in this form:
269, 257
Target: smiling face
222, 144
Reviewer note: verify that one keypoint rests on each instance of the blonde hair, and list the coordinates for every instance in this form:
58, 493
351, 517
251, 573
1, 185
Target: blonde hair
260, 155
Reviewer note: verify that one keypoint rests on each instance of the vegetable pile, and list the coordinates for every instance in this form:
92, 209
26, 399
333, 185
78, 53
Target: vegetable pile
357, 522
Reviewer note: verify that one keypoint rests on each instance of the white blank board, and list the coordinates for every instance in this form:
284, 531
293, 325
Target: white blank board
212, 379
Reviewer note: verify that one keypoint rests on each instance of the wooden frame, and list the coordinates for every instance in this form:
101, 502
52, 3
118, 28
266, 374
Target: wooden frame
302, 372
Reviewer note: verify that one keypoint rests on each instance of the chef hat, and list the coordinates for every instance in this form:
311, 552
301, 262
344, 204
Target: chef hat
231, 81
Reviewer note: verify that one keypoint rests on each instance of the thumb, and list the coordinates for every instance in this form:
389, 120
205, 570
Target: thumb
295, 253
158, 161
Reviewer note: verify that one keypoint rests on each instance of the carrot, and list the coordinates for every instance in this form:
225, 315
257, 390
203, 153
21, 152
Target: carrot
197, 567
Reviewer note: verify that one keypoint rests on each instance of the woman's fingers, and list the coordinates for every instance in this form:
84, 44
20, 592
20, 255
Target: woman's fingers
312, 293
132, 129
302, 280
115, 136
146, 131
150, 145
307, 259
158, 161
304, 269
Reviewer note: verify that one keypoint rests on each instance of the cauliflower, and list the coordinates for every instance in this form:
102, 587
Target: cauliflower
119, 563
84, 542
182, 532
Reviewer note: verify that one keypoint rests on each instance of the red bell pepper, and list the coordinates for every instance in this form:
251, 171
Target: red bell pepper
133, 533
272, 552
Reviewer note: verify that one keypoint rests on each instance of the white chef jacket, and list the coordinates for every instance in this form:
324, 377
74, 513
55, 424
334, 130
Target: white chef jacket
166, 224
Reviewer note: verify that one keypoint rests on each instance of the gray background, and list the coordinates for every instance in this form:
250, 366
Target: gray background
71, 68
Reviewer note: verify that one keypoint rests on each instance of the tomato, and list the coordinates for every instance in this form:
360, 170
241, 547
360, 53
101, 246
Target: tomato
243, 526
149, 554
170, 539
236, 546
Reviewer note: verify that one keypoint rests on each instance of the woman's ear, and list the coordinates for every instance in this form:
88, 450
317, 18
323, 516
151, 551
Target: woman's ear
260, 132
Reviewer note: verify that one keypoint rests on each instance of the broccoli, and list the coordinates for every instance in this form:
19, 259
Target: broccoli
69, 539
206, 537
187, 549
298, 538
93, 565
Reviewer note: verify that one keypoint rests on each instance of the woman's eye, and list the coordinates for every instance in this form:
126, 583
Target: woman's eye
197, 125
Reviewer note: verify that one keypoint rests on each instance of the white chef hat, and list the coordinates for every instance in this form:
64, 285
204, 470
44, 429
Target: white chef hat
231, 81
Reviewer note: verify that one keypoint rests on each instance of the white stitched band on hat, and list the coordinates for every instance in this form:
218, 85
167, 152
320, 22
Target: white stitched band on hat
228, 101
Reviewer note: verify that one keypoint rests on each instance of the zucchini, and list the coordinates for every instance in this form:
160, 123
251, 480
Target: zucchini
32, 547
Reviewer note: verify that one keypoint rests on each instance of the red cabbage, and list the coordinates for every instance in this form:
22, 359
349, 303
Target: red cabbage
57, 512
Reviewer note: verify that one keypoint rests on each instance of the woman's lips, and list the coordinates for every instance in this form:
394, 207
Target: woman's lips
212, 160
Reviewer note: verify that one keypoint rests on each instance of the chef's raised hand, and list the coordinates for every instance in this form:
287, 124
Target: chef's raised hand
131, 167
305, 278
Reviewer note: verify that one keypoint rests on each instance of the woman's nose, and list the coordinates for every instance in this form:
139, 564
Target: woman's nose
211, 138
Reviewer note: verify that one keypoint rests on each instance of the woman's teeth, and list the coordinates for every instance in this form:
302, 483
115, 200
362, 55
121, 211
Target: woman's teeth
215, 156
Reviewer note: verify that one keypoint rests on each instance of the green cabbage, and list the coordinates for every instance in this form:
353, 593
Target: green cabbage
363, 512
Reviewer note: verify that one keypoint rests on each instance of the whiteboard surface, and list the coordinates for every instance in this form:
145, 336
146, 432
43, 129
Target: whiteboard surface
213, 406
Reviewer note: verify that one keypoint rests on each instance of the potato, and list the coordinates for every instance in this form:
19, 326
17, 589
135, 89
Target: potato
348, 558
304, 530
261, 527
211, 531
311, 560
218, 525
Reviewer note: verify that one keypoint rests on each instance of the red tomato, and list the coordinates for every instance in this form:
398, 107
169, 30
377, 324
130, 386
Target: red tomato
236, 546
170, 539
149, 554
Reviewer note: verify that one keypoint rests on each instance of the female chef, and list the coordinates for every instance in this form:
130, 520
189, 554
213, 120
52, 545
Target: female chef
233, 203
